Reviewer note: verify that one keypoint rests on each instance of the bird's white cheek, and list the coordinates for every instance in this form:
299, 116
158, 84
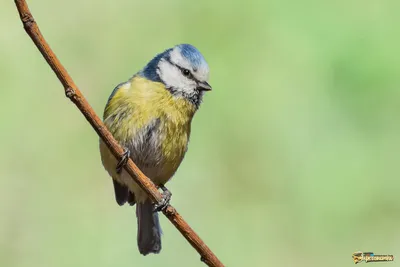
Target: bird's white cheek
172, 77
191, 86
170, 74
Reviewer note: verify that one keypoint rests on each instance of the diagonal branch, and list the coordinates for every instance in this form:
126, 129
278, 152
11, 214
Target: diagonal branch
75, 95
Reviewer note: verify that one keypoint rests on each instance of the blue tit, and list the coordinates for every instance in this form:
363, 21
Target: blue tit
150, 116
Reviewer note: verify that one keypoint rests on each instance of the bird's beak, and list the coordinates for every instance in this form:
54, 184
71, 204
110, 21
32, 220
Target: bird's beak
204, 86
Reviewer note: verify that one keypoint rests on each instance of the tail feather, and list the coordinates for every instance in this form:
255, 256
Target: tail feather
149, 230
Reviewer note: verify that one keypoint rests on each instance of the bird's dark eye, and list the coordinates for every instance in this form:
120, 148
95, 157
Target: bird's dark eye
186, 72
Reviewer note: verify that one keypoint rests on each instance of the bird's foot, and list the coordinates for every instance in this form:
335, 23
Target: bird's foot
123, 160
164, 203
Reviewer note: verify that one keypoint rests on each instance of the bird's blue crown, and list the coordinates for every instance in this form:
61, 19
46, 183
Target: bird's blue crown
193, 55
189, 52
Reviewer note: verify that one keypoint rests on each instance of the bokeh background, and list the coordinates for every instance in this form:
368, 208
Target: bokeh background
294, 156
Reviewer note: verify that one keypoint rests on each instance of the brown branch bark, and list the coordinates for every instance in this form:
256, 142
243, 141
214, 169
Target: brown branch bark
75, 95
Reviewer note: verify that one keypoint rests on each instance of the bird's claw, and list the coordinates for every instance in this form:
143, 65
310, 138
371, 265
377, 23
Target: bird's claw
123, 160
164, 203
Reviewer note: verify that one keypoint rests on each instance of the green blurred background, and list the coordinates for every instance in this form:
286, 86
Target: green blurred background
294, 156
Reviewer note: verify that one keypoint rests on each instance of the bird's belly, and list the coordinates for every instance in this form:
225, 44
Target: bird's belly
159, 171
168, 155
157, 151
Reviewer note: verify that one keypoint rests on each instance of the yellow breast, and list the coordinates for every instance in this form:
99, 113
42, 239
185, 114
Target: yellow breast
138, 102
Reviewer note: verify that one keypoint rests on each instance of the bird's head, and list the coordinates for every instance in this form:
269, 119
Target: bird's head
183, 70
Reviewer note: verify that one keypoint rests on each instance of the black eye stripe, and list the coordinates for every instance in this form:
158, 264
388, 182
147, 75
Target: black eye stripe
190, 76
182, 69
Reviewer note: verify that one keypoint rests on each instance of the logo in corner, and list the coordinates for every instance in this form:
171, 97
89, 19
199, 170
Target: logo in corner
370, 257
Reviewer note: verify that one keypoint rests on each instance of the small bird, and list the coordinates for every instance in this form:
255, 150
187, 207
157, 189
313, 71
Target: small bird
150, 116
